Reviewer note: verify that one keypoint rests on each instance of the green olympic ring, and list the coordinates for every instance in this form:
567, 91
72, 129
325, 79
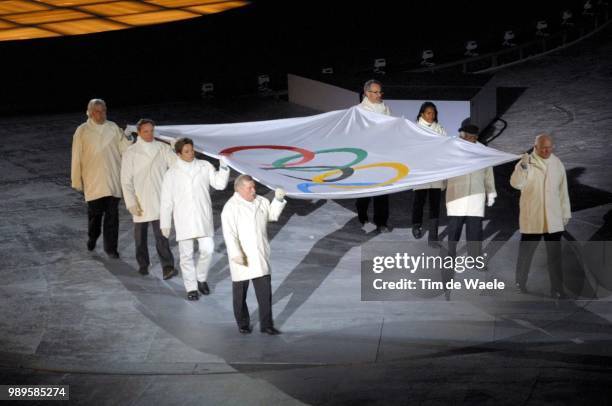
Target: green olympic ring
359, 153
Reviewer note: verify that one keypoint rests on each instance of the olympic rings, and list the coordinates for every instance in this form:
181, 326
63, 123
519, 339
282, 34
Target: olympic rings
343, 171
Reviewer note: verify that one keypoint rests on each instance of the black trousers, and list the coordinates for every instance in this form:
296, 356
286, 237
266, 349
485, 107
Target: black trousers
263, 291
473, 234
161, 244
107, 209
381, 209
419, 202
527, 247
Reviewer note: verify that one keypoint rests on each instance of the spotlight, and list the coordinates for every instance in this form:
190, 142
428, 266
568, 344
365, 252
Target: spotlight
379, 64
208, 90
470, 47
327, 71
567, 18
427, 55
508, 37
541, 27
587, 9
262, 83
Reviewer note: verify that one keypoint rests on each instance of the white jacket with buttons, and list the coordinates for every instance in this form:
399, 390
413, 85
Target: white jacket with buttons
142, 172
544, 202
466, 195
186, 200
245, 233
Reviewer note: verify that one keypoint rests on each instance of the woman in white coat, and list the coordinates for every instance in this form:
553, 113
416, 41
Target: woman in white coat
244, 218
544, 211
428, 118
186, 200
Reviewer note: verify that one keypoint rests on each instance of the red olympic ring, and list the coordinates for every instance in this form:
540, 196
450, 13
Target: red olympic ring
306, 154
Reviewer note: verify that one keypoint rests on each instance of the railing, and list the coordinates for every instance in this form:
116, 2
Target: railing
523, 52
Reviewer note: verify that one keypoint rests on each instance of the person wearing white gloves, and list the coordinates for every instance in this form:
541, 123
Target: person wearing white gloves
466, 196
97, 146
244, 219
142, 171
428, 118
544, 211
372, 101
185, 198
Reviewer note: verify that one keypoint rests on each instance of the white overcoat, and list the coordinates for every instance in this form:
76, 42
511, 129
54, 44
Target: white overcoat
544, 202
96, 159
186, 200
142, 172
466, 195
245, 232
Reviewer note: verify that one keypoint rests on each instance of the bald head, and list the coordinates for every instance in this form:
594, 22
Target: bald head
543, 145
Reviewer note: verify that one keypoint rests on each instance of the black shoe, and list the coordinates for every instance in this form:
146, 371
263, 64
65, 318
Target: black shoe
447, 295
244, 330
91, 245
521, 288
193, 295
143, 270
417, 231
382, 229
112, 254
169, 272
203, 288
433, 244
558, 295
270, 330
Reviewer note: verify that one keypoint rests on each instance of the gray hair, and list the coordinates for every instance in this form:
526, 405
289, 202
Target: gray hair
242, 179
542, 136
94, 102
367, 85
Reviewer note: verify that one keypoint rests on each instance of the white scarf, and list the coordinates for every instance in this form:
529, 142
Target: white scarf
380, 108
540, 161
99, 128
188, 167
434, 126
150, 148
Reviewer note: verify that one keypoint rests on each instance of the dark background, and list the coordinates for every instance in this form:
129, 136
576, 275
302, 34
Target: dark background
170, 62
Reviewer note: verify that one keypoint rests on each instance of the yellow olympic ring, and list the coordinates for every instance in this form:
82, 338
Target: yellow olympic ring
401, 169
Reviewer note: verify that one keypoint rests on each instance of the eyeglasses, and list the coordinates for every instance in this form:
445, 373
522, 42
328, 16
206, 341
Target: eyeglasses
377, 92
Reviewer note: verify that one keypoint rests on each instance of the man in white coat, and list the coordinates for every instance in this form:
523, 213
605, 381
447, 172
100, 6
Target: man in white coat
372, 101
244, 218
97, 146
185, 198
466, 196
544, 211
142, 171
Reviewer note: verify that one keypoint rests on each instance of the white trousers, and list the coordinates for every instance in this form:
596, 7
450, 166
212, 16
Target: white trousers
192, 273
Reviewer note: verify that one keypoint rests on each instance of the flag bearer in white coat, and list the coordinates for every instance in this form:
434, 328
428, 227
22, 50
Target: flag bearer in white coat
97, 146
244, 218
544, 211
466, 196
428, 118
372, 101
186, 200
142, 172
